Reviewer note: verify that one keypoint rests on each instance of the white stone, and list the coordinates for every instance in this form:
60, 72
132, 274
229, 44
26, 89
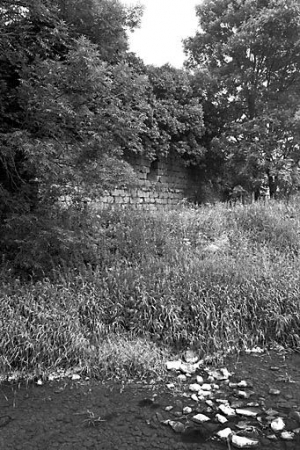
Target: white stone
170, 385
274, 391
247, 412
277, 424
173, 365
200, 379
181, 377
191, 357
243, 394
254, 404
221, 418
178, 427
206, 387
209, 403
39, 382
243, 442
200, 418
75, 377
224, 434
195, 387
165, 422
169, 408
225, 373
188, 368
204, 393
227, 410
255, 350
187, 410
287, 435
194, 397
220, 375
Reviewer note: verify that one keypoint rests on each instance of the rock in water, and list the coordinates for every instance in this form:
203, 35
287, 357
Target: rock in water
227, 410
248, 412
221, 418
274, 391
224, 434
187, 410
278, 424
243, 442
200, 418
287, 435
178, 427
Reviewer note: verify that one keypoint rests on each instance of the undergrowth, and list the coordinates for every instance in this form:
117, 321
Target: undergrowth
145, 285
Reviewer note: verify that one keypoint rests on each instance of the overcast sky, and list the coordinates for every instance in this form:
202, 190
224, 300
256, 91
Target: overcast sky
164, 24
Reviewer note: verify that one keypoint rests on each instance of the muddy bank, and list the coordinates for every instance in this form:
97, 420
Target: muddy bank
86, 414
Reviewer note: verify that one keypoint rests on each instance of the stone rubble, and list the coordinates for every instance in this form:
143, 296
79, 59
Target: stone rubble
249, 422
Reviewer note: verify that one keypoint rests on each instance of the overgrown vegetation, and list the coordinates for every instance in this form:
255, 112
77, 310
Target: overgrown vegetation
115, 292
149, 285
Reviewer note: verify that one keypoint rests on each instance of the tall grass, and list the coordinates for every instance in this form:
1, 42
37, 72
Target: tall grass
150, 283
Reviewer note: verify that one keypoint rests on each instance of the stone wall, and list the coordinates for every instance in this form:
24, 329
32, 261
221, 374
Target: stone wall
162, 182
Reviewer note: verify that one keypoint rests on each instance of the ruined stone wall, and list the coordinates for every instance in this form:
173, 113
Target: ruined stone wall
161, 183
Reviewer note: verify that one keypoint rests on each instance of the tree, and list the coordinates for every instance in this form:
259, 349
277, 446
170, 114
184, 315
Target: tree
73, 101
66, 116
62, 104
176, 122
103, 22
251, 49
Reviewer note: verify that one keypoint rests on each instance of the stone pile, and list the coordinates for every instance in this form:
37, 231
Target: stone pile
225, 410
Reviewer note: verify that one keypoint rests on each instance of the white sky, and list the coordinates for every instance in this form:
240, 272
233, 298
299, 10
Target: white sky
164, 24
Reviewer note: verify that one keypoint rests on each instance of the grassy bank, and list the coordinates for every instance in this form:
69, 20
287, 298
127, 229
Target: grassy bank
212, 278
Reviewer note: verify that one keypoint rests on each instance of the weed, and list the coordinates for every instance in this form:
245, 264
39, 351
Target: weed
152, 287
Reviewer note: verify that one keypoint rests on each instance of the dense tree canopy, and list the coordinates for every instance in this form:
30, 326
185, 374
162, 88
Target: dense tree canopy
73, 100
251, 51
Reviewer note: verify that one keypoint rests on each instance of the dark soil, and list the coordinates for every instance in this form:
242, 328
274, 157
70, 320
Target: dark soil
87, 414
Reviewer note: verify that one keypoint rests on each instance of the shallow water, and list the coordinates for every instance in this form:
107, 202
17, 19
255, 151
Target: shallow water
90, 415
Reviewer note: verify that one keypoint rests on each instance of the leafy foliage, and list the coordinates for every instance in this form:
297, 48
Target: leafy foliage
73, 101
251, 51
